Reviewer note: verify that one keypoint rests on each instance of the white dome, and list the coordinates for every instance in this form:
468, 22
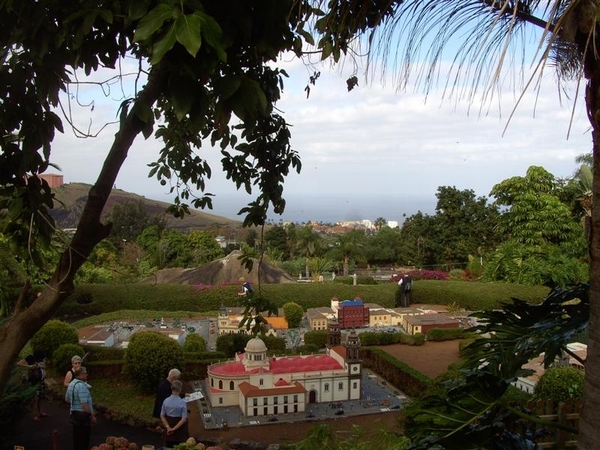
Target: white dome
256, 345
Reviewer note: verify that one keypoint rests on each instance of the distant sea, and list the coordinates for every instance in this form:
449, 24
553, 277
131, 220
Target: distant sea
332, 208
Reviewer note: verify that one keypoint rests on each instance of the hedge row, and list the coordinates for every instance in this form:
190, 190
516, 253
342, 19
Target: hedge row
412, 382
367, 339
445, 334
104, 298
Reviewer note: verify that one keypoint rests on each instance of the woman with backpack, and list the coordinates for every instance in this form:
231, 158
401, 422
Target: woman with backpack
35, 377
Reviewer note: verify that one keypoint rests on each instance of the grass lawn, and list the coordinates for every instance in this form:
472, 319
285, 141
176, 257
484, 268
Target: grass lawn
125, 402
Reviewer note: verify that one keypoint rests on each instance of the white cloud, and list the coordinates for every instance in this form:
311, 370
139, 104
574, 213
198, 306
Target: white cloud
371, 143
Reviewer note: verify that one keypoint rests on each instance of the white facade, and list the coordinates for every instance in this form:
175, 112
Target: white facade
280, 385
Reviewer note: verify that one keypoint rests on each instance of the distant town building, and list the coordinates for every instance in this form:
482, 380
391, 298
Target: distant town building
53, 180
222, 241
263, 386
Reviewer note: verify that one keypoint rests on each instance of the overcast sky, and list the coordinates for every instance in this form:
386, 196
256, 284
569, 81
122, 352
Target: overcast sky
372, 152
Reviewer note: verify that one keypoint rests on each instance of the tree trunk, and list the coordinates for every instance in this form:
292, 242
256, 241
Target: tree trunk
589, 425
22, 325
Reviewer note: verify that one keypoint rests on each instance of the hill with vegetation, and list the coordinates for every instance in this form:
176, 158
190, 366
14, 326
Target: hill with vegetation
71, 197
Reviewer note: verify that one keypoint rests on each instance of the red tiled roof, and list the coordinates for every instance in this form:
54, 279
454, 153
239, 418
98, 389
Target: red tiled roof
249, 390
293, 364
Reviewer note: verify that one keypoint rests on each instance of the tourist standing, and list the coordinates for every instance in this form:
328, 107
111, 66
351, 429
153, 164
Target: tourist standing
81, 409
35, 377
405, 285
164, 391
173, 415
70, 375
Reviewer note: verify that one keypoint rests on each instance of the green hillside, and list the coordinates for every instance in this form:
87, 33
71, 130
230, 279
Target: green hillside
71, 199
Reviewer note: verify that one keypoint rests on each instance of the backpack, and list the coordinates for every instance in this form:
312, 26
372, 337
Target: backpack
35, 375
407, 285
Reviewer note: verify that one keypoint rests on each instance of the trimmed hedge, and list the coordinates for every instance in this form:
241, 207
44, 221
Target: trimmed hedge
367, 339
176, 297
412, 382
97, 353
445, 334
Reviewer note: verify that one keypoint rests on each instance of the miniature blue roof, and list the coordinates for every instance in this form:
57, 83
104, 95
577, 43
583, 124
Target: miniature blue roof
351, 303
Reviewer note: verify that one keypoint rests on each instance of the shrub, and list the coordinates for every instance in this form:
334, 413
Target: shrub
14, 404
52, 335
457, 274
559, 384
274, 344
445, 334
293, 314
61, 358
96, 353
316, 338
414, 339
194, 343
149, 357
230, 344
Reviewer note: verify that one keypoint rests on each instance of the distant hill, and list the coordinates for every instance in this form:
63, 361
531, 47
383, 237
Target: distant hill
71, 199
225, 270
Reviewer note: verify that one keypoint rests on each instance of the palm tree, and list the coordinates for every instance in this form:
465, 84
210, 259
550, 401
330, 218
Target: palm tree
487, 30
308, 243
379, 223
347, 248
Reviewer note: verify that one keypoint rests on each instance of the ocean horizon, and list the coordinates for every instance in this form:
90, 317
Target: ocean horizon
331, 208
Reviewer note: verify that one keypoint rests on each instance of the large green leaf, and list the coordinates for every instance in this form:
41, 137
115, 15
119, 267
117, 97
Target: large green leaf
163, 45
152, 22
213, 34
187, 31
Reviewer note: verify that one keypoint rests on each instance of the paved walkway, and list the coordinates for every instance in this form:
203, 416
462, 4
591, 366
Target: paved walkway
38, 435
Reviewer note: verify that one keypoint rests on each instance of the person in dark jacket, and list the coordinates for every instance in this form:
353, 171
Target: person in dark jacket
164, 391
405, 284
174, 415
36, 372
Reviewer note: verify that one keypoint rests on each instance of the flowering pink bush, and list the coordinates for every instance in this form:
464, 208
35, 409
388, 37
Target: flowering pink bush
203, 287
421, 275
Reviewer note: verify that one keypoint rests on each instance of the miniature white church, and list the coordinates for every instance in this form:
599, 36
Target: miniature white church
263, 386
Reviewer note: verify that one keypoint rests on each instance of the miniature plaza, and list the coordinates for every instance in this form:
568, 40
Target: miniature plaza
377, 397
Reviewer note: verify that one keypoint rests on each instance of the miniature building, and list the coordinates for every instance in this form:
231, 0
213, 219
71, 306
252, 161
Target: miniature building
103, 338
318, 318
425, 322
353, 314
262, 385
383, 317
230, 318
528, 383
